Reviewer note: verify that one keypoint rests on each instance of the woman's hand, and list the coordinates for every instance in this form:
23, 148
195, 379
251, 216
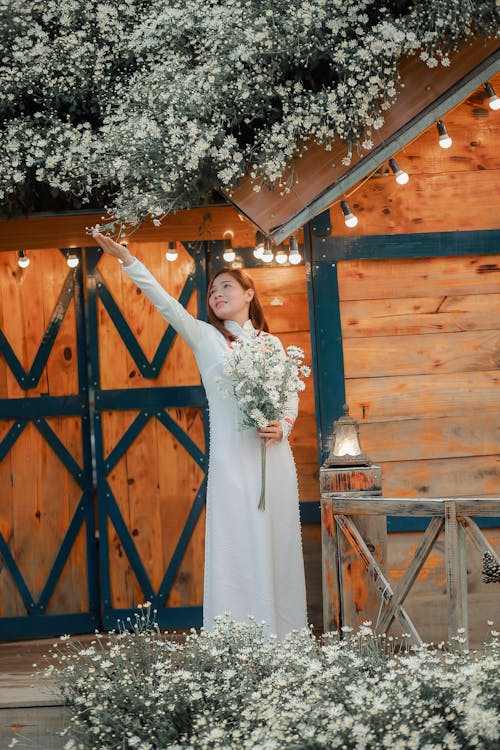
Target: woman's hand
273, 433
114, 248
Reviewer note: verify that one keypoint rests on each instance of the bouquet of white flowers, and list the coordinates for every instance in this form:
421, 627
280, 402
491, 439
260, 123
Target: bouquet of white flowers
262, 378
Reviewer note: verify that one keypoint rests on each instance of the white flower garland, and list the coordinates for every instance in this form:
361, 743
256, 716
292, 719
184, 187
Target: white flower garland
158, 103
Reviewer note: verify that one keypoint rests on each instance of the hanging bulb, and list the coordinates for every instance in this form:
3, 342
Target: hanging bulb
349, 218
267, 255
444, 139
22, 259
72, 260
294, 256
494, 102
401, 176
281, 257
259, 245
172, 253
229, 255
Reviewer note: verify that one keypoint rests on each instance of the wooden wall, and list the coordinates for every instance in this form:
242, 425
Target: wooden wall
38, 495
156, 480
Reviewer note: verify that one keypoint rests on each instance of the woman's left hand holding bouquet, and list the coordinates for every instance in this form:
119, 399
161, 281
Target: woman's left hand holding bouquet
273, 433
114, 248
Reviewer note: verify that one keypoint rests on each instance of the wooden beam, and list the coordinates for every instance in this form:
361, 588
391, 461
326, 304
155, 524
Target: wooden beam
68, 230
456, 575
414, 506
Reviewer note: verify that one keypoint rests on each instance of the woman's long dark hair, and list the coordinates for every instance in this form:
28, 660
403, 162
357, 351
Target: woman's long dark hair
255, 311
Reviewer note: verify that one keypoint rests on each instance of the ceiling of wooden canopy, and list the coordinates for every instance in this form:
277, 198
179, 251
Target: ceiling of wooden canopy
424, 97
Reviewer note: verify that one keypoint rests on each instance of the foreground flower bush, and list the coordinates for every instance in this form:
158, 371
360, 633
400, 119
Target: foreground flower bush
237, 688
154, 103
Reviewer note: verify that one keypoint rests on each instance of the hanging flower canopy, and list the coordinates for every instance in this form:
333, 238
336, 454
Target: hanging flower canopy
148, 106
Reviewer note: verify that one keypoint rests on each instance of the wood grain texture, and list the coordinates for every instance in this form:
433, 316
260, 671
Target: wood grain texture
419, 277
68, 230
438, 395
420, 315
445, 437
467, 351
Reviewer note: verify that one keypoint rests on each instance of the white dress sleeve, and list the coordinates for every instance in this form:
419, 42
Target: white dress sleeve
191, 329
291, 409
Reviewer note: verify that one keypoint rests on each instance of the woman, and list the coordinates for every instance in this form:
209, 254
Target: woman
253, 558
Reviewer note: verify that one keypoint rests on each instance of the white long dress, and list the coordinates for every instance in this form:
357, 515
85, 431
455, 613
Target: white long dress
253, 558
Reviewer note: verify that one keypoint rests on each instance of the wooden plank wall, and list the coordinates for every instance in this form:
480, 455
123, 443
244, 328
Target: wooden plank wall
156, 480
37, 494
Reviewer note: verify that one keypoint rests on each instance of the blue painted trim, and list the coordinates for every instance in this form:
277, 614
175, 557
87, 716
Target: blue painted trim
328, 336
17, 577
62, 556
102, 516
180, 549
310, 511
147, 369
41, 406
92, 258
183, 438
115, 516
321, 225
403, 523
125, 441
423, 245
11, 437
172, 617
60, 450
31, 378
47, 626
151, 398
307, 250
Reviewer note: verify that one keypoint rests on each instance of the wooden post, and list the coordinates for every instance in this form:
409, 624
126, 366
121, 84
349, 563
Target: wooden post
349, 597
456, 574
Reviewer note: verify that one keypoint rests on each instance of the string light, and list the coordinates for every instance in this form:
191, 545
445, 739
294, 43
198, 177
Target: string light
172, 253
350, 219
281, 257
229, 255
494, 102
294, 256
22, 259
267, 255
72, 260
259, 245
444, 139
401, 176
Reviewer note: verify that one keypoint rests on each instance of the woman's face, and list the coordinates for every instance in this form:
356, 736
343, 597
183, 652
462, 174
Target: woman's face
228, 299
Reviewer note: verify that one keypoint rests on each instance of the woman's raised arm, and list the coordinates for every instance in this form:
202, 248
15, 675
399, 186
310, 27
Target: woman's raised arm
191, 329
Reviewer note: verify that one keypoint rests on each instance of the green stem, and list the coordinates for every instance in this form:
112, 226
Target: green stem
262, 501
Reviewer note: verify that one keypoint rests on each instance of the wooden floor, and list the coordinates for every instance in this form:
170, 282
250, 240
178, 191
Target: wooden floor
30, 708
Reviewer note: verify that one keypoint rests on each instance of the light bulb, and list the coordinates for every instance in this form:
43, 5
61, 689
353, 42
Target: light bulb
259, 245
267, 255
350, 219
229, 255
72, 260
444, 139
281, 257
171, 253
401, 176
22, 260
294, 256
494, 102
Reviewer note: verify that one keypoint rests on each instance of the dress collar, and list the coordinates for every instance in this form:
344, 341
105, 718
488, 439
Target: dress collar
235, 327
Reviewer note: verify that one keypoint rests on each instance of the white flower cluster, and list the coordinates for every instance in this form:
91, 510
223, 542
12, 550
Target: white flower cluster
236, 688
158, 103
262, 378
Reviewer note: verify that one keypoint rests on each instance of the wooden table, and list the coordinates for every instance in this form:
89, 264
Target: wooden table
339, 518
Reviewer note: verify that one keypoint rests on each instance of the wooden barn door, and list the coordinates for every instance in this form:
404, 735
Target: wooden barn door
48, 582
149, 416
